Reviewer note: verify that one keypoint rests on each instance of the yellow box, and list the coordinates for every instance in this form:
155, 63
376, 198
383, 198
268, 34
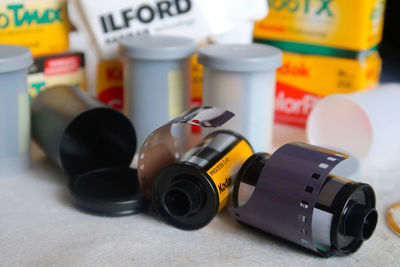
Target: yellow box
341, 24
303, 79
197, 81
110, 83
41, 25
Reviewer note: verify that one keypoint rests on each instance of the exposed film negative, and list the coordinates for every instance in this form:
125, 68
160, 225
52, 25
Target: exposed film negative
293, 194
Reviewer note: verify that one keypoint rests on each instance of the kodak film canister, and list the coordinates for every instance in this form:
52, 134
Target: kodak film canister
190, 192
294, 194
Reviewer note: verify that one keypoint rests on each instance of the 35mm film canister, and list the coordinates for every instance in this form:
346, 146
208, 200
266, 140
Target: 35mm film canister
241, 78
94, 144
156, 80
293, 194
14, 109
190, 192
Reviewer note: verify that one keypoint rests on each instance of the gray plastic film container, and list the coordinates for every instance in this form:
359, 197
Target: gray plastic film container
14, 109
241, 78
156, 80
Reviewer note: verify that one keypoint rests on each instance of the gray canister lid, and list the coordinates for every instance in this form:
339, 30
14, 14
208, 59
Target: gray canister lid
240, 57
157, 47
14, 57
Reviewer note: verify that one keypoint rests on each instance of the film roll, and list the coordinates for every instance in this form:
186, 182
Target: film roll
190, 192
292, 194
187, 180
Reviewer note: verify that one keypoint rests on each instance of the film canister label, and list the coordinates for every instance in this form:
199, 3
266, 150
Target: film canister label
222, 171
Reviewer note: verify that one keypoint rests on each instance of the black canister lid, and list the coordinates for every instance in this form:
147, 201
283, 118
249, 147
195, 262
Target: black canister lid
96, 150
108, 192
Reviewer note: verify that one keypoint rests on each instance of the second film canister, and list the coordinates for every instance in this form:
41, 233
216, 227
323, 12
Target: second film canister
190, 192
295, 194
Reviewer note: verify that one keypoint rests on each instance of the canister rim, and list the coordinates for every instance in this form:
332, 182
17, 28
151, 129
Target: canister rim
157, 47
124, 159
14, 57
240, 57
91, 192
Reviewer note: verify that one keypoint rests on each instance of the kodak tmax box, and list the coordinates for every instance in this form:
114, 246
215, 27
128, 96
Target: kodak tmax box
40, 25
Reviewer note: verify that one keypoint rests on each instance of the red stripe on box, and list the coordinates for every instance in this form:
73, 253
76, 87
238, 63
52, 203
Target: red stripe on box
293, 105
61, 65
113, 97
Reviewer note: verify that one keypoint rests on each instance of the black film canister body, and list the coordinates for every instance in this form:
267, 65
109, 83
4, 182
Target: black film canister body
94, 144
294, 195
190, 192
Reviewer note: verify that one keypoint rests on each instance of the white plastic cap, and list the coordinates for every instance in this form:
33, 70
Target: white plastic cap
336, 121
362, 123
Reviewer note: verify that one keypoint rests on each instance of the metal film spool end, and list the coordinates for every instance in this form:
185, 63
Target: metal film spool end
183, 199
360, 221
253, 166
182, 195
248, 174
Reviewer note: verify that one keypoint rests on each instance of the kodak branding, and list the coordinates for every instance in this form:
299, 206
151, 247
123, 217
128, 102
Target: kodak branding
221, 172
196, 87
303, 79
110, 83
326, 24
40, 25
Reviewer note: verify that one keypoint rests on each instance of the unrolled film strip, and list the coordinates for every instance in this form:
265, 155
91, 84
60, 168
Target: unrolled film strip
296, 202
162, 148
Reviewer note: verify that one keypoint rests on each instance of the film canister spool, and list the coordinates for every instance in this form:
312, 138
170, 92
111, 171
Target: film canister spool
293, 194
190, 192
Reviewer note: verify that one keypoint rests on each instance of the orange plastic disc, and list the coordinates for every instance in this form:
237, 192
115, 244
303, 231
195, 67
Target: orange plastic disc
392, 223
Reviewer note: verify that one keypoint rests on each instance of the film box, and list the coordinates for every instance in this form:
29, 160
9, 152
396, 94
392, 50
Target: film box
40, 25
197, 82
329, 47
337, 24
303, 79
110, 83
107, 24
65, 68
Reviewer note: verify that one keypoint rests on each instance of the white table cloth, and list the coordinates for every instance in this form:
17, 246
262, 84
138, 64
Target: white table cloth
40, 227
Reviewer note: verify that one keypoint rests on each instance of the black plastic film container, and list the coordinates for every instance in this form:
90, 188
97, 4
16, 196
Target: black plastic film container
295, 195
94, 144
190, 192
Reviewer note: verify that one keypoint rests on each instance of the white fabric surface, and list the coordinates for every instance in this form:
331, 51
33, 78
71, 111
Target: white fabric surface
39, 227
